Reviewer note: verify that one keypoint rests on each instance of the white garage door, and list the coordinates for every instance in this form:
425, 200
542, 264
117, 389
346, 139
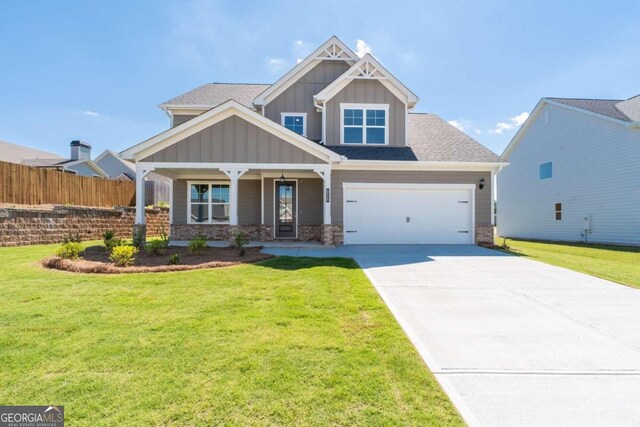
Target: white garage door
408, 213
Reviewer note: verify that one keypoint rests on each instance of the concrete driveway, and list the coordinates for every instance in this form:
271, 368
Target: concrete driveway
512, 341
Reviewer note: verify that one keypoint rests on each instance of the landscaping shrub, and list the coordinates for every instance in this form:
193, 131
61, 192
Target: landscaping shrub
72, 238
241, 241
108, 237
70, 250
157, 247
174, 259
137, 239
123, 256
198, 245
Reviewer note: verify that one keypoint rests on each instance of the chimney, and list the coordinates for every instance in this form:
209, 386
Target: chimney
80, 150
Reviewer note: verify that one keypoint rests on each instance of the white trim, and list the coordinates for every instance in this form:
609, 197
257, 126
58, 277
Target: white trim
215, 115
304, 120
493, 197
171, 205
116, 156
344, 165
364, 108
209, 204
261, 199
275, 181
368, 68
539, 107
326, 52
235, 166
417, 166
410, 186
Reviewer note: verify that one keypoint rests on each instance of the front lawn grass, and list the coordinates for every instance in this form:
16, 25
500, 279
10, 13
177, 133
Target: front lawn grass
289, 341
619, 264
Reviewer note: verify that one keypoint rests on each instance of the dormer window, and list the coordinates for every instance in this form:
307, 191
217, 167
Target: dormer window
364, 124
296, 122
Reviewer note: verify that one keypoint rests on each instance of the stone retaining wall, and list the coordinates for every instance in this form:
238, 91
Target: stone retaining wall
29, 226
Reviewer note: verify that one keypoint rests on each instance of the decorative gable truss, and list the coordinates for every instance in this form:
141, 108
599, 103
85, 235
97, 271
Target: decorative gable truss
332, 50
335, 51
367, 68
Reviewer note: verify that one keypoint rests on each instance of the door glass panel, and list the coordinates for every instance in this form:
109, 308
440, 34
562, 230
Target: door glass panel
285, 203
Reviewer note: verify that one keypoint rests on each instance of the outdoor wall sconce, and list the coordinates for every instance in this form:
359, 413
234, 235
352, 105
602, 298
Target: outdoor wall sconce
482, 183
282, 178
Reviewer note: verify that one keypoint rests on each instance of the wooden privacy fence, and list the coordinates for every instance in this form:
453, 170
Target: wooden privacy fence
27, 185
156, 192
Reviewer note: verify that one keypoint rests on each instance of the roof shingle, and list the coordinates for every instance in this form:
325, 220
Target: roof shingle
212, 94
606, 107
431, 139
14, 153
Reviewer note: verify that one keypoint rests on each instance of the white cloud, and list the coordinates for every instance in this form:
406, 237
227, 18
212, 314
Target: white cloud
90, 113
514, 122
298, 60
362, 48
478, 131
276, 65
298, 42
457, 124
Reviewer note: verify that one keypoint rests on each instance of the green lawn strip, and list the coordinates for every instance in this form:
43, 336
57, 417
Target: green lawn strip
288, 341
619, 264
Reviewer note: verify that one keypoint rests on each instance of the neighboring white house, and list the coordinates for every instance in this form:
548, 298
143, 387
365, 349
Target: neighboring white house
574, 173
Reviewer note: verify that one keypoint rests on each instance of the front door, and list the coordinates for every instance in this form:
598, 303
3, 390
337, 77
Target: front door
285, 208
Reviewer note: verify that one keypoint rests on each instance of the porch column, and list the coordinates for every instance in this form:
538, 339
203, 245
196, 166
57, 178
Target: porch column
141, 173
325, 174
234, 175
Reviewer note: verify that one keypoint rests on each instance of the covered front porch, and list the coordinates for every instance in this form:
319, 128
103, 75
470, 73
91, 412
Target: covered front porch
272, 202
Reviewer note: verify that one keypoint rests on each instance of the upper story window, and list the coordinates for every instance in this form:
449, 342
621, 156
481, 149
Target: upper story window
545, 170
208, 202
296, 122
364, 124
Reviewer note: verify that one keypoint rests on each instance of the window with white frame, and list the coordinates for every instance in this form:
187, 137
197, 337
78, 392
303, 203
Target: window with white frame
208, 203
364, 124
296, 122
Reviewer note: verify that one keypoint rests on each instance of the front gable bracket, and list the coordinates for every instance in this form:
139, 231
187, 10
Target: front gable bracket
370, 69
332, 50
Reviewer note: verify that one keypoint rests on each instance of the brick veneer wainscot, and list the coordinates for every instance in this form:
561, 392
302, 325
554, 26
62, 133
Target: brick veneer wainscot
484, 233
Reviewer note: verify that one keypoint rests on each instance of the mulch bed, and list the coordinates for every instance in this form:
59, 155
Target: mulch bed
95, 259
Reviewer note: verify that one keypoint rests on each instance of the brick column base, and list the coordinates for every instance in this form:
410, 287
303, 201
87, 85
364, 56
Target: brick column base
140, 234
484, 234
332, 235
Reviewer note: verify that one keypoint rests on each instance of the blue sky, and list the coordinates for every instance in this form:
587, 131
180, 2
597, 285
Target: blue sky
96, 71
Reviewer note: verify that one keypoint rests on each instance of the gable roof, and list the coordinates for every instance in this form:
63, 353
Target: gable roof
331, 50
606, 107
212, 94
368, 68
625, 112
131, 175
64, 164
431, 139
14, 153
215, 115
